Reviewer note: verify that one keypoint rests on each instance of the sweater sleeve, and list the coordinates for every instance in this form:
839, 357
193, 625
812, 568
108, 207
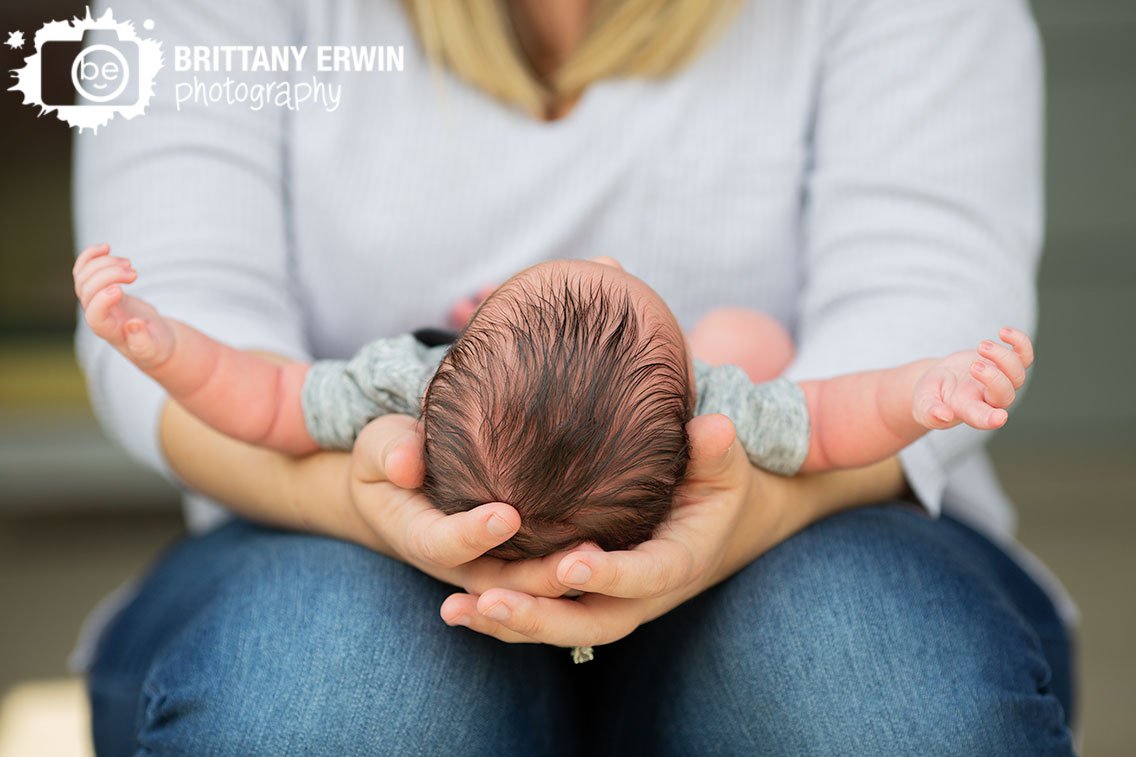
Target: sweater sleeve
387, 376
771, 418
196, 199
923, 204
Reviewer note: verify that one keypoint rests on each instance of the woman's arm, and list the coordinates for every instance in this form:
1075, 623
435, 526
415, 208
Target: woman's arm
303, 494
923, 207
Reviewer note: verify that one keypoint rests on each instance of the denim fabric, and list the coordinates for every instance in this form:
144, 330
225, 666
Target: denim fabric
878, 631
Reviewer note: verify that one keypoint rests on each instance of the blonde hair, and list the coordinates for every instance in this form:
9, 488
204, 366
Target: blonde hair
649, 38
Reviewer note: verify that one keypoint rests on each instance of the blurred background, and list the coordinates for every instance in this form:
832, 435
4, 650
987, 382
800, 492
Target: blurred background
77, 517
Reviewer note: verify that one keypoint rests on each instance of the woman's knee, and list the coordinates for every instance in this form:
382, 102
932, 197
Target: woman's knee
862, 634
320, 647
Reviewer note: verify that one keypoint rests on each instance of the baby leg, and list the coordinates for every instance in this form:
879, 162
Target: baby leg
755, 342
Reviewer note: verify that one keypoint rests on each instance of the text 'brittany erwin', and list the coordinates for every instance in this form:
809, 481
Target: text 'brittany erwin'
288, 58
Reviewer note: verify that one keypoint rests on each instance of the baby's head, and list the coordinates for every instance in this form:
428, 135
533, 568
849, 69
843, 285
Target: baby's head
566, 396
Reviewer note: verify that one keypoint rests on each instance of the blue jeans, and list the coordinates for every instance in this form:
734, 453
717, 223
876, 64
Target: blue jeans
878, 631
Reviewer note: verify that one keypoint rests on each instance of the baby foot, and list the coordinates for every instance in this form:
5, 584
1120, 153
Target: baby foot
464, 309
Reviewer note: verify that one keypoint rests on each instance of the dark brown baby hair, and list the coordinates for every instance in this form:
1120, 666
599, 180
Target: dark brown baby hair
559, 399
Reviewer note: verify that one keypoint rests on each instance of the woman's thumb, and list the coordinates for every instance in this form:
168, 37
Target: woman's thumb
389, 448
712, 442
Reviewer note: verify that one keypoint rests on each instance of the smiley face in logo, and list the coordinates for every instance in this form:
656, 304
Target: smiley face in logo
100, 73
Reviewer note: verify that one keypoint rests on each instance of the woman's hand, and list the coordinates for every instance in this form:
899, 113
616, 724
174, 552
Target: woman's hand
367, 497
727, 514
386, 470
721, 497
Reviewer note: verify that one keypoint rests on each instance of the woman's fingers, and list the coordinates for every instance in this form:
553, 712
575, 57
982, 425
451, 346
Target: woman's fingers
389, 448
537, 576
712, 440
452, 540
588, 621
461, 610
652, 569
403, 461
622, 586
669, 561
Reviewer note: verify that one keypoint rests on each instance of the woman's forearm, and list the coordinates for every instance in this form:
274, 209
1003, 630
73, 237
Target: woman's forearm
777, 507
305, 494
825, 494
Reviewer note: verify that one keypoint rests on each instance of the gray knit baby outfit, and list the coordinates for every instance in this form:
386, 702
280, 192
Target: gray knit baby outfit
391, 375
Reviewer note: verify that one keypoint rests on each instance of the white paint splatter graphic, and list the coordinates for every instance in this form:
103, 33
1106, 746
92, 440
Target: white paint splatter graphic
112, 71
15, 40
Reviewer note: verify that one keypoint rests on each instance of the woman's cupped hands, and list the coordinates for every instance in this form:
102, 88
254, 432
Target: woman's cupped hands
725, 513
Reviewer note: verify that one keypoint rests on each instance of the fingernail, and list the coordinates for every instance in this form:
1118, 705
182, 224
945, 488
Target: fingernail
579, 573
986, 345
980, 367
134, 328
498, 526
499, 611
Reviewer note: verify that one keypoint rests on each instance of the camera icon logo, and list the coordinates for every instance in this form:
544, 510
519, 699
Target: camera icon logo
101, 69
90, 70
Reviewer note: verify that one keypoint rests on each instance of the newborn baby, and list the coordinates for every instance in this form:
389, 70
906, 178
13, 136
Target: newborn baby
566, 395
